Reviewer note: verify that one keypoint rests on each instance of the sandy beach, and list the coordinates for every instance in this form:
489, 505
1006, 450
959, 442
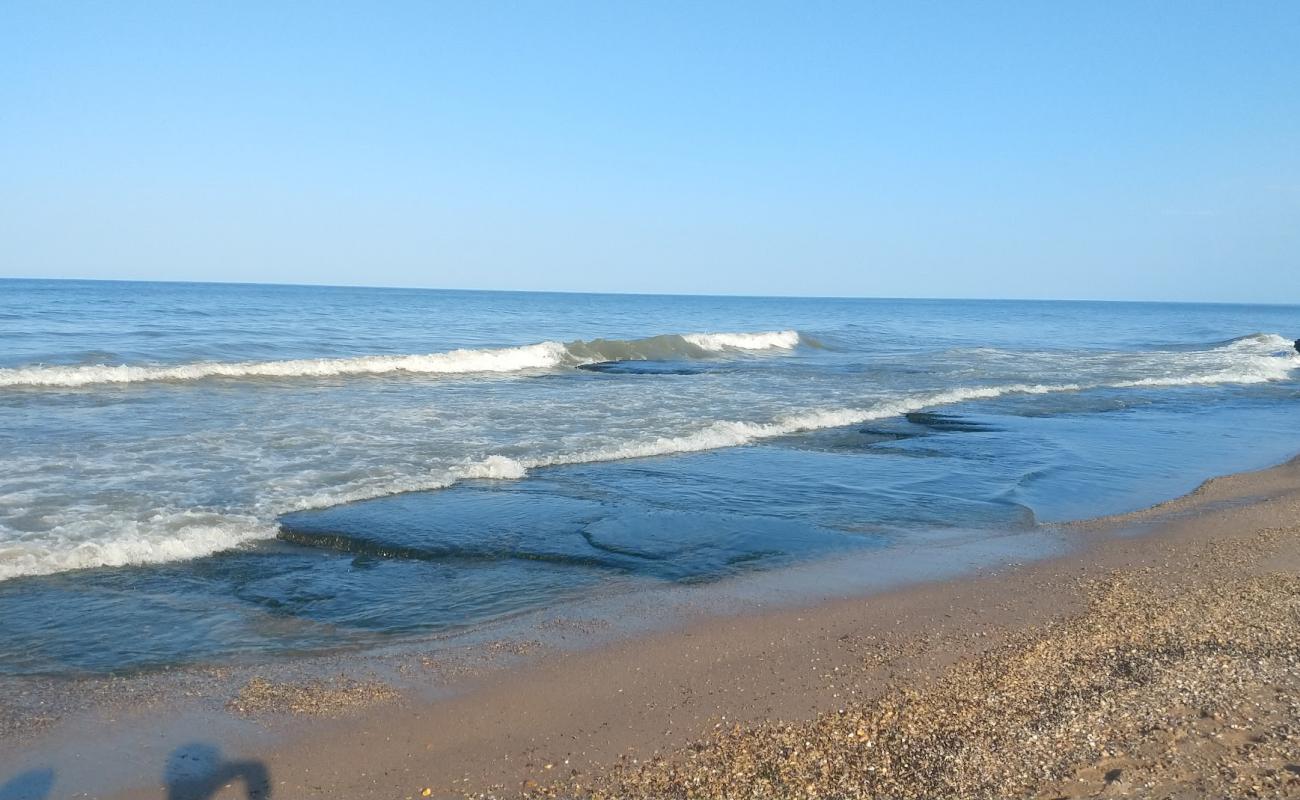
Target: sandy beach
1157, 660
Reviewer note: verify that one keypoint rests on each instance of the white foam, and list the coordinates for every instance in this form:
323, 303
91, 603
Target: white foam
507, 359
1274, 369
727, 433
1264, 343
368, 491
163, 537
1260, 358
492, 467
765, 340
540, 356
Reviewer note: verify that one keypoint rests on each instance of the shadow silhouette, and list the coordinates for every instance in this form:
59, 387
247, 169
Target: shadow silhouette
197, 771
34, 784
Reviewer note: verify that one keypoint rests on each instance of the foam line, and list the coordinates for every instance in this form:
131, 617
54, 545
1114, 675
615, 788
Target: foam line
540, 356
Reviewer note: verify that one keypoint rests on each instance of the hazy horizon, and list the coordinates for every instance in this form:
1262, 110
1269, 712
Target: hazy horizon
736, 295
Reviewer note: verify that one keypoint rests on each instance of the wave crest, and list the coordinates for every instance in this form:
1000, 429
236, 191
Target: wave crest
174, 536
540, 356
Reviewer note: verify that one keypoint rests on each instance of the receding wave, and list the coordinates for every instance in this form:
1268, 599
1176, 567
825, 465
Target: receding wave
364, 545
540, 356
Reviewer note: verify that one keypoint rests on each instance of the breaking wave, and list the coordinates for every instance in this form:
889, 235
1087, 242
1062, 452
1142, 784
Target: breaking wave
174, 536
540, 356
1257, 358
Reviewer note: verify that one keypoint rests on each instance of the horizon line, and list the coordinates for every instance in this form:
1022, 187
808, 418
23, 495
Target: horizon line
392, 287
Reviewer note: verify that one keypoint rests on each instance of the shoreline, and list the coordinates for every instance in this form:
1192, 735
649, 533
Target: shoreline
587, 711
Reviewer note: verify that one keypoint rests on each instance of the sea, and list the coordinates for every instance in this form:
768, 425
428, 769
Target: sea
213, 473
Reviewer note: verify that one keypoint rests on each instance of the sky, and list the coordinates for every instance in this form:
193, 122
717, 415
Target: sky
1076, 150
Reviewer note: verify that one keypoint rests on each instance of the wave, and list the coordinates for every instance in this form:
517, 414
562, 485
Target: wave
540, 356
1254, 341
177, 536
192, 534
184, 535
1257, 358
744, 341
1262, 362
727, 433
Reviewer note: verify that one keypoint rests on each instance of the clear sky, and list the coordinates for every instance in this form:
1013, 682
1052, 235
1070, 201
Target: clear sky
1114, 150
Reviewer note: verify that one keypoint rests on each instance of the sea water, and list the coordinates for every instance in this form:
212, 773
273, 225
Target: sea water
198, 472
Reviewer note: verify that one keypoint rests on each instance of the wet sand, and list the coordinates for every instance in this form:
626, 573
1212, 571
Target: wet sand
1160, 659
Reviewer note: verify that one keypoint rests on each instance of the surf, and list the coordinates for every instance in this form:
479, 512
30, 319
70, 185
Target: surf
182, 527
532, 357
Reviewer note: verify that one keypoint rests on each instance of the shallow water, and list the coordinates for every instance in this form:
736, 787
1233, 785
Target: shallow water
438, 459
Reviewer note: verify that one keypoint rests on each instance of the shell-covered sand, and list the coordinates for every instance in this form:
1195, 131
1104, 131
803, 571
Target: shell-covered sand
1157, 689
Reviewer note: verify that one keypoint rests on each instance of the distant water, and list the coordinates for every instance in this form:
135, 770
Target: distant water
195, 472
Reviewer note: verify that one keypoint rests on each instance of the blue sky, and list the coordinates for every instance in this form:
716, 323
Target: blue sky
1112, 150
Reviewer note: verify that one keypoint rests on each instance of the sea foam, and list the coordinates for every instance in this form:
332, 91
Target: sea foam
540, 356
163, 537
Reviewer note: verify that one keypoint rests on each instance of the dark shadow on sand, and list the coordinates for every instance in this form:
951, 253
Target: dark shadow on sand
34, 784
197, 771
